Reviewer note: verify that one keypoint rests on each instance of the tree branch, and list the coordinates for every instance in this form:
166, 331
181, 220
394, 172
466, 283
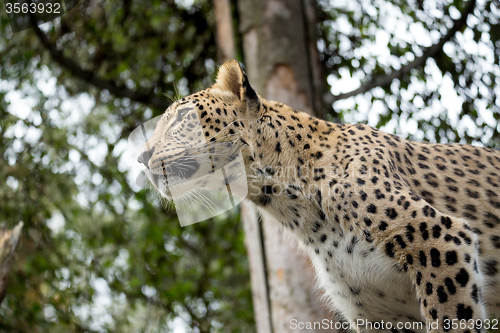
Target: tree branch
430, 52
8, 243
121, 91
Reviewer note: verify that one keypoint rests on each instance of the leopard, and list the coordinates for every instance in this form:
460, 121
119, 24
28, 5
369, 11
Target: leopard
399, 232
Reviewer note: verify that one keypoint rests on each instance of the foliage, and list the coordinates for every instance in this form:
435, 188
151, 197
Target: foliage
452, 97
94, 254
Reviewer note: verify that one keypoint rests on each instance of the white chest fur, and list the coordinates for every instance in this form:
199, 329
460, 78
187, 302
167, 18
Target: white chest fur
357, 278
360, 281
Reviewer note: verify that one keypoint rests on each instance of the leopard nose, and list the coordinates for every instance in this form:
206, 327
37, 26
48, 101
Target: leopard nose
145, 156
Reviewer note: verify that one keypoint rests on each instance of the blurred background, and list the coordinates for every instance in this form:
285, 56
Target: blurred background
96, 254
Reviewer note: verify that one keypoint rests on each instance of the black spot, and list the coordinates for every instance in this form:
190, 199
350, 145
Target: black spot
371, 209
440, 167
466, 239
379, 195
278, 147
428, 196
323, 238
316, 226
389, 247
264, 200
429, 211
467, 258
391, 213
424, 231
428, 288
442, 296
367, 221
475, 293
422, 258
490, 267
423, 166
409, 232
471, 193
491, 220
419, 278
368, 236
435, 260
268, 189
450, 286
409, 259
446, 221
449, 238
400, 241
495, 240
451, 258
415, 197
433, 313
494, 203
436, 231
355, 291
382, 226
270, 171
470, 208
462, 277
464, 312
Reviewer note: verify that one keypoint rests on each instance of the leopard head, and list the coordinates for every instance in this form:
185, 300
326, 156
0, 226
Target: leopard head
199, 134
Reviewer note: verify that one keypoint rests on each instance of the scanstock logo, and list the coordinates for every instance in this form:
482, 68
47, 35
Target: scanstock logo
202, 179
24, 14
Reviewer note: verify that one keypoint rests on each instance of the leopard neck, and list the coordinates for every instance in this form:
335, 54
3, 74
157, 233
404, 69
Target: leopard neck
286, 147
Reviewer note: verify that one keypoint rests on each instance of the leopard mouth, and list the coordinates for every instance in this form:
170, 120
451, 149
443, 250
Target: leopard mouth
172, 176
182, 168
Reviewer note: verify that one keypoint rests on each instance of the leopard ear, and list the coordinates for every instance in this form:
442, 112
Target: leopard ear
232, 78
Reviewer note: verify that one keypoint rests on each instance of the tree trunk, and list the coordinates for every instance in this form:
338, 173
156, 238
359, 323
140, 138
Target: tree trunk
281, 61
253, 233
282, 279
224, 35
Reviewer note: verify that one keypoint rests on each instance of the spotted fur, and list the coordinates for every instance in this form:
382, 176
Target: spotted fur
398, 231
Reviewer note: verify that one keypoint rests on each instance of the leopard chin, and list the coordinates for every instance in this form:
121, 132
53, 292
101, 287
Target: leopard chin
160, 183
